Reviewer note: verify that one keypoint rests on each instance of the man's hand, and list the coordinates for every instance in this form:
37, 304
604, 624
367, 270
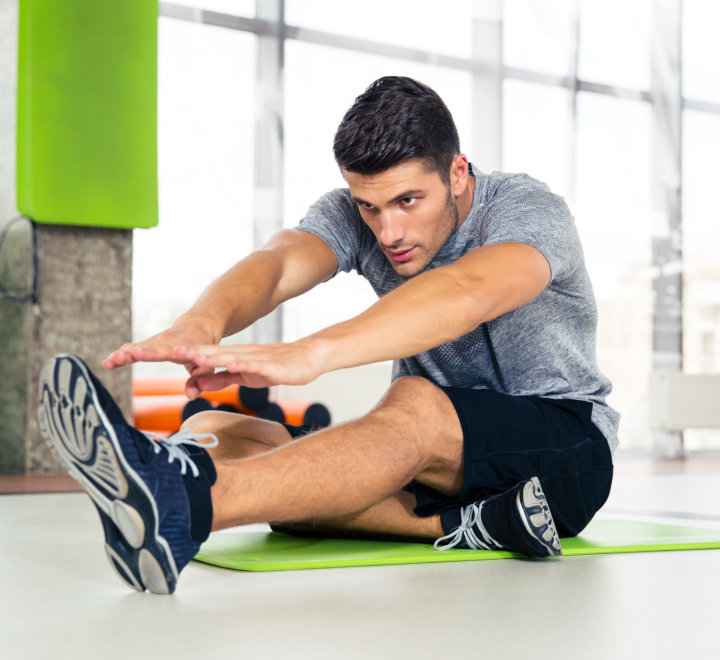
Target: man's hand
168, 346
257, 365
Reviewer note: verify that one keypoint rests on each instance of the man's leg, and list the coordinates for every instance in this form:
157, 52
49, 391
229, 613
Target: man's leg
156, 497
349, 478
242, 436
413, 433
391, 519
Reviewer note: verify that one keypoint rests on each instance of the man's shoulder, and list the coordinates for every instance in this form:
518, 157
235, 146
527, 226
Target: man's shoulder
508, 185
517, 194
335, 212
337, 202
335, 219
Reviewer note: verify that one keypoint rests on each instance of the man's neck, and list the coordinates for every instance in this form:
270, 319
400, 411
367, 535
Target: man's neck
464, 202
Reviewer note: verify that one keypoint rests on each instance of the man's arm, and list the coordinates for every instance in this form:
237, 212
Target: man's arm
431, 309
291, 263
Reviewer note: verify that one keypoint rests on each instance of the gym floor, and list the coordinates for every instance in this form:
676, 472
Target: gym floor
59, 598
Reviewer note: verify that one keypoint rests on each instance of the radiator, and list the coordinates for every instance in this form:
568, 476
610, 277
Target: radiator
684, 401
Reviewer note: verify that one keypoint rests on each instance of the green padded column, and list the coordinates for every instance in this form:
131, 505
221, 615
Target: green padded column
87, 112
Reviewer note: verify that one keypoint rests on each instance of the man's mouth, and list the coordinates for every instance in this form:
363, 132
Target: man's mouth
401, 255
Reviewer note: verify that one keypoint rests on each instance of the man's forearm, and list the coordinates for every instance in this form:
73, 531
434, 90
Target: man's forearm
423, 313
428, 310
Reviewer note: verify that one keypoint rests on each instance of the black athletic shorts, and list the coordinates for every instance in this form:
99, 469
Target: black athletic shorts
508, 439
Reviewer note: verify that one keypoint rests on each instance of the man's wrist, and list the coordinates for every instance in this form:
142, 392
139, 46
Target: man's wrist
320, 351
212, 329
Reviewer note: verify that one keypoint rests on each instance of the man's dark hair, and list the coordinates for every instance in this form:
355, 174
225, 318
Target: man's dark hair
394, 120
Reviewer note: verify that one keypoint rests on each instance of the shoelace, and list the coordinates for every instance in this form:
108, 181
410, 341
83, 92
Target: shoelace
469, 519
175, 450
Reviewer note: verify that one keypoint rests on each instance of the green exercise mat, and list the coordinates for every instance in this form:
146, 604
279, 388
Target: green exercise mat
273, 551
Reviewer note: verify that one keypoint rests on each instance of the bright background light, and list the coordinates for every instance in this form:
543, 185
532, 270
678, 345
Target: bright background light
594, 147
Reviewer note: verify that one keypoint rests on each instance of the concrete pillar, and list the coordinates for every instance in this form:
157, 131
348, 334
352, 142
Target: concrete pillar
83, 307
14, 349
14, 263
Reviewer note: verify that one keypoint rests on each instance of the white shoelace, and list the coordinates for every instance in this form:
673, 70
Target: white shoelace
469, 518
173, 446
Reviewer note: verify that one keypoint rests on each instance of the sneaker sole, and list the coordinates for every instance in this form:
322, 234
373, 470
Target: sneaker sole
76, 428
537, 518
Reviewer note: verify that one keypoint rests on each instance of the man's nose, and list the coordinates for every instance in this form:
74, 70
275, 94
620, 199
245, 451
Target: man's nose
392, 231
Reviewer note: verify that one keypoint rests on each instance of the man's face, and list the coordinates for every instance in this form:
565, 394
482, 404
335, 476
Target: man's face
409, 209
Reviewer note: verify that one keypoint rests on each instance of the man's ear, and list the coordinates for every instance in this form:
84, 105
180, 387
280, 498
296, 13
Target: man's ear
459, 174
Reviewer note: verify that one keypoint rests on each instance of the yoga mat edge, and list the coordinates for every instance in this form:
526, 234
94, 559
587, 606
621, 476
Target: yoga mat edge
272, 551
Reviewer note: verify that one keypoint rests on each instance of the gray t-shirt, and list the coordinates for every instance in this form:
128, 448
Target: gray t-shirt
544, 348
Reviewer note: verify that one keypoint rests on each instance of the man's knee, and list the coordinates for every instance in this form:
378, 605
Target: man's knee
212, 421
239, 435
424, 414
417, 397
416, 403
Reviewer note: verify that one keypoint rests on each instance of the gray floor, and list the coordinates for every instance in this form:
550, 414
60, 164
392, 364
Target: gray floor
59, 598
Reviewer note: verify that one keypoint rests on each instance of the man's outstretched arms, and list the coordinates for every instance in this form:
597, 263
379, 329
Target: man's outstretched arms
430, 309
291, 263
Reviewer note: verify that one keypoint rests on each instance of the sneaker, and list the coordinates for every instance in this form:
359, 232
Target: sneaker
518, 520
152, 494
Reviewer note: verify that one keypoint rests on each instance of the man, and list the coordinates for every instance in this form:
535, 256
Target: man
494, 432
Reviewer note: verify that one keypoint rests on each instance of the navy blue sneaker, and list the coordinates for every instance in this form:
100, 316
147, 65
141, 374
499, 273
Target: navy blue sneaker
152, 494
518, 520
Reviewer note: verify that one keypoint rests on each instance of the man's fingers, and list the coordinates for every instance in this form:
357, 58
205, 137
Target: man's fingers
191, 385
167, 346
219, 380
257, 367
118, 358
161, 353
219, 356
131, 353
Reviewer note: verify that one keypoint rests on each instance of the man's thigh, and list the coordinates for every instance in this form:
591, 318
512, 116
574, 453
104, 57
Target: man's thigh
417, 417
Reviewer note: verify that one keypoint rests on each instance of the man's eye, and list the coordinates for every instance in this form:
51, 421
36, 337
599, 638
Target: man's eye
366, 206
408, 201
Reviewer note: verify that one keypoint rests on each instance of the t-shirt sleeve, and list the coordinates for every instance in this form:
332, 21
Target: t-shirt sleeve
524, 210
335, 219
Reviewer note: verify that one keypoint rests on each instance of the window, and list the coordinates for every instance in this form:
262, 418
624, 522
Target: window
614, 43
538, 133
612, 208
205, 149
701, 50
416, 24
539, 36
